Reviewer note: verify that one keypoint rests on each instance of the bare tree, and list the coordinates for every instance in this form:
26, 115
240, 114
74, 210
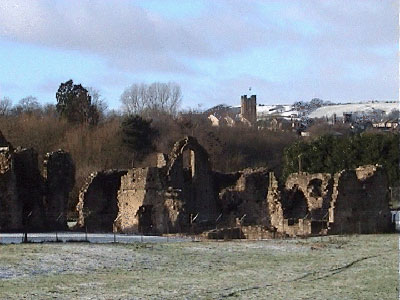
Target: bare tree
27, 105
98, 102
152, 99
5, 106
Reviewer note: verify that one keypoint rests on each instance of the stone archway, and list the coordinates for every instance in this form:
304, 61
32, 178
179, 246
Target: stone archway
189, 171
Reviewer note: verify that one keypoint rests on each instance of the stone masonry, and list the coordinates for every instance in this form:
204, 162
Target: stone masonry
350, 201
97, 205
246, 198
59, 173
29, 202
10, 207
181, 193
30, 189
141, 201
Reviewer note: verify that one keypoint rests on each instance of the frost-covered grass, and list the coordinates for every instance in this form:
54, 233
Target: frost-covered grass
351, 267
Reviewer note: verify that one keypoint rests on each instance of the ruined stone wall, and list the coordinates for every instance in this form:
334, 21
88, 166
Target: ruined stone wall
176, 217
97, 205
29, 202
316, 190
352, 201
30, 189
246, 199
21, 191
189, 170
10, 206
59, 174
360, 201
141, 201
274, 205
280, 220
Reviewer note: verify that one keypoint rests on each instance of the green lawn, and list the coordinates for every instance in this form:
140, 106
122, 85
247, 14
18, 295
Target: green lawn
350, 267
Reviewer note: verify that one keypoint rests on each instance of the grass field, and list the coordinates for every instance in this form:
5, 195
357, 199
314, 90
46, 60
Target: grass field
349, 267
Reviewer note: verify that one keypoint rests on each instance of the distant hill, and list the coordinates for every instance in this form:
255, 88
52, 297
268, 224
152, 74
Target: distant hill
360, 108
308, 110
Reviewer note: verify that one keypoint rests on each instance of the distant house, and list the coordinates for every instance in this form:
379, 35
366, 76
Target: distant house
386, 125
214, 120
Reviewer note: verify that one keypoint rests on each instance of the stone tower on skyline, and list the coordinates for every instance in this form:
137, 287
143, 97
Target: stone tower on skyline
248, 108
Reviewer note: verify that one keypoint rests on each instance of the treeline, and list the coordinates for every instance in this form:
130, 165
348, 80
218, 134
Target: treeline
330, 154
99, 139
105, 145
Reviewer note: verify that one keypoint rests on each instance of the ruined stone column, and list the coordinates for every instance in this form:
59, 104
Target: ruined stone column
59, 173
10, 207
29, 189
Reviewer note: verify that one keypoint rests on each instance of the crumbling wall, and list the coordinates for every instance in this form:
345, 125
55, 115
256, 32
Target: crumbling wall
21, 191
287, 209
189, 170
246, 199
141, 201
315, 189
30, 189
27, 201
59, 173
360, 201
97, 205
176, 217
10, 207
352, 201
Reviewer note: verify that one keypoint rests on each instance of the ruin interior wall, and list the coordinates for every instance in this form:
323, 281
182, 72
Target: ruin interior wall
246, 198
189, 170
360, 201
10, 206
316, 190
141, 201
59, 174
30, 189
28, 201
97, 206
352, 201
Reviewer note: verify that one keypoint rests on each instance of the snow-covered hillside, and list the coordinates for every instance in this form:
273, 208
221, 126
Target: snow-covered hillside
275, 110
367, 108
289, 110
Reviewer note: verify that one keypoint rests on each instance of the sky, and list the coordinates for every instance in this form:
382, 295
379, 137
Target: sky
284, 50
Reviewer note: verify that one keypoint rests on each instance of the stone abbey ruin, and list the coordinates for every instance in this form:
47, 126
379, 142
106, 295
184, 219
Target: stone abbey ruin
29, 200
180, 193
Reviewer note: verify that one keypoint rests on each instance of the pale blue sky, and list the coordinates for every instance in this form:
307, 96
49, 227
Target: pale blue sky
287, 50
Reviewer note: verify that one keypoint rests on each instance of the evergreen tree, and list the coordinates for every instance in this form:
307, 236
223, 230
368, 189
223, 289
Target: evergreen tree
138, 136
74, 103
330, 154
